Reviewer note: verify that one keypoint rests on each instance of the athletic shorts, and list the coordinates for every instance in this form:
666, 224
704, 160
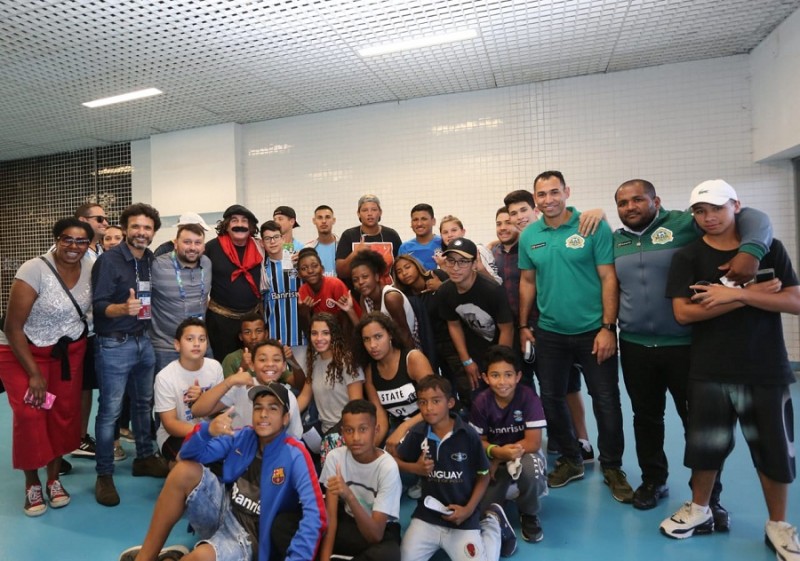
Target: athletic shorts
767, 419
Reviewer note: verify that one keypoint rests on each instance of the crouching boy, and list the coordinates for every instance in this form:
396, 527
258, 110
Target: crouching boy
448, 456
262, 467
363, 492
509, 418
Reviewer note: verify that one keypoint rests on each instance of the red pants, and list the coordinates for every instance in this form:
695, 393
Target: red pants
41, 435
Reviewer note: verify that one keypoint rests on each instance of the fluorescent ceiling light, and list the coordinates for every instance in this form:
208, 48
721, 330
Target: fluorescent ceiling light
124, 97
418, 43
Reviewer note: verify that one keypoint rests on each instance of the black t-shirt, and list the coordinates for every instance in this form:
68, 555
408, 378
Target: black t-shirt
236, 295
744, 346
480, 310
353, 235
246, 500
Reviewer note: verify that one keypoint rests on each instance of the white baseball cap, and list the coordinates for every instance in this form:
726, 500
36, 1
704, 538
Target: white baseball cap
192, 218
714, 191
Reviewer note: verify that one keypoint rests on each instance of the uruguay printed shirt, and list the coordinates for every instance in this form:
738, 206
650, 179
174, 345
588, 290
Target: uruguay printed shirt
280, 303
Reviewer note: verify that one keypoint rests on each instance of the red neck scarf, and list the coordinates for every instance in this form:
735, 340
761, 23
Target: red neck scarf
252, 258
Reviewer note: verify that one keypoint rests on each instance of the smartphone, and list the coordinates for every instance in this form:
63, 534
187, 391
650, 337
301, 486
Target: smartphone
764, 275
49, 398
701, 283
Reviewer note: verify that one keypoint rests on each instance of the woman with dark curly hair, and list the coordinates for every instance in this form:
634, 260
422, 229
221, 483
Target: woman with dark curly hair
332, 377
391, 371
42, 346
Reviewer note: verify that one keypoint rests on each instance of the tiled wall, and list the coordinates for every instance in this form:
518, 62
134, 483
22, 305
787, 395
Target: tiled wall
38, 191
675, 125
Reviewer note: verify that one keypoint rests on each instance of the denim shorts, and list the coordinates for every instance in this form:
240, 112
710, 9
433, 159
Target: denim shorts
209, 512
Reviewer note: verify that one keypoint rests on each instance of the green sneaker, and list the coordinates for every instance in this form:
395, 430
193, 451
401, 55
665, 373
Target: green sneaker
564, 472
617, 481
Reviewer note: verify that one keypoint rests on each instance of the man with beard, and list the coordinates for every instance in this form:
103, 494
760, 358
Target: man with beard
181, 283
654, 348
326, 242
236, 288
124, 355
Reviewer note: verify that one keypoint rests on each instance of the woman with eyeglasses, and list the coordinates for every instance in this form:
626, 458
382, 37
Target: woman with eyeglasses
42, 345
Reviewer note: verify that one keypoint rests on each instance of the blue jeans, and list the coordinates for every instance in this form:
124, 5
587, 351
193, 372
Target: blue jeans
163, 358
123, 363
555, 355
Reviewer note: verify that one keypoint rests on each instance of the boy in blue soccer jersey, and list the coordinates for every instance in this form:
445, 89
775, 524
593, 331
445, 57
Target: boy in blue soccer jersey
510, 418
281, 286
448, 456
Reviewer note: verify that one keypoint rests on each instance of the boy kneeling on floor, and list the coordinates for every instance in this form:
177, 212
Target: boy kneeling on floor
262, 466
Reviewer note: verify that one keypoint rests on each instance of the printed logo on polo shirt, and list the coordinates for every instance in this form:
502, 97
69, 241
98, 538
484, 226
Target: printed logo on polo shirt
331, 303
626, 242
517, 415
458, 456
662, 236
539, 245
575, 242
470, 550
278, 476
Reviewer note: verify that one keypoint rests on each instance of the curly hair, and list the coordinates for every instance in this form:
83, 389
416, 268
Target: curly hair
372, 260
222, 226
359, 352
342, 359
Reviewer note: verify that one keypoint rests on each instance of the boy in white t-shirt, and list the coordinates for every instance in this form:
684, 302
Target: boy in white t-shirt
269, 362
363, 492
180, 383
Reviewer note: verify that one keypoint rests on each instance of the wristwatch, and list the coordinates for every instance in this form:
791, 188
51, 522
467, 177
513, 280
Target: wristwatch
610, 326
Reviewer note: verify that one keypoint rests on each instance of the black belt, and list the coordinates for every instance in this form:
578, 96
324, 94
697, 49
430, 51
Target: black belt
121, 335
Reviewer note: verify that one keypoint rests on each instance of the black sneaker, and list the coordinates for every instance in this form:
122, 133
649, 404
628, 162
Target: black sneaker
531, 528
86, 448
564, 472
722, 520
152, 466
65, 468
647, 495
508, 539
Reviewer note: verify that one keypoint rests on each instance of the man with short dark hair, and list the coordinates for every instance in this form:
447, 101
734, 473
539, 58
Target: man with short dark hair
578, 326
281, 297
425, 244
94, 215
181, 282
326, 241
124, 355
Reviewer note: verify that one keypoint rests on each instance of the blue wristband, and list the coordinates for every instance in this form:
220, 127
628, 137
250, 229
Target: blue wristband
467, 362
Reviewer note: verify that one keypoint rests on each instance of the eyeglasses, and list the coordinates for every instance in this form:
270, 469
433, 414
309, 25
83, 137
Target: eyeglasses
98, 218
274, 238
80, 242
459, 263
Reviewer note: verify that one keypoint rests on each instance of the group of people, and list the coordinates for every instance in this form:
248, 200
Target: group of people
320, 380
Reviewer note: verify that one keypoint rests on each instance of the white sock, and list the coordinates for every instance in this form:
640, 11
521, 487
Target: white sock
700, 508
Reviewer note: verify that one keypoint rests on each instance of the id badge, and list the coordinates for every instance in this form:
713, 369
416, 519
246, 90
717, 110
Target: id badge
143, 294
286, 262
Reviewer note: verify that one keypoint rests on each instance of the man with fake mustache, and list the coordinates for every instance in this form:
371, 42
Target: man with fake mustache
236, 288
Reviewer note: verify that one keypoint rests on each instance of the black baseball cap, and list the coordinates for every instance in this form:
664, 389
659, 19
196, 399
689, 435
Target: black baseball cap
462, 246
288, 212
274, 388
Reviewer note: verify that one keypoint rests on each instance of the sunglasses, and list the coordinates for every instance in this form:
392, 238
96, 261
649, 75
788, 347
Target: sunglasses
68, 241
98, 218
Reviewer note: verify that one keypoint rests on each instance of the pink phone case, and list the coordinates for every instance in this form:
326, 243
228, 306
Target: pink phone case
49, 398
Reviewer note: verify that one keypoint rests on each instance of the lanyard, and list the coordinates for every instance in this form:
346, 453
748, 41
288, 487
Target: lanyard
179, 280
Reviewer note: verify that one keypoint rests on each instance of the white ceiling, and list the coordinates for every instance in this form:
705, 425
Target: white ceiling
241, 61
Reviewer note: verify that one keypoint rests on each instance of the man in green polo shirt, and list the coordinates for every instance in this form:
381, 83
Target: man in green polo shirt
572, 279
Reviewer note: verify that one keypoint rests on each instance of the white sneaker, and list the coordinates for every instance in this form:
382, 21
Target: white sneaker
688, 521
781, 537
